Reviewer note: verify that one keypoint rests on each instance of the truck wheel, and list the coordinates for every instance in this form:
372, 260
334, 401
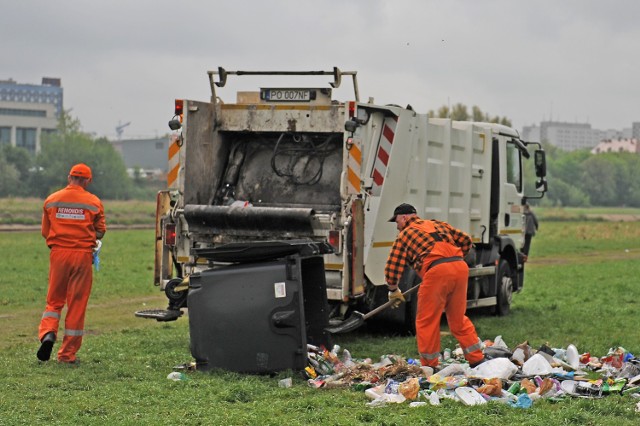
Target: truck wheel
410, 314
504, 288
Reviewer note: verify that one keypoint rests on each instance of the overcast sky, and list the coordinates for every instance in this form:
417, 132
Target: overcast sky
127, 60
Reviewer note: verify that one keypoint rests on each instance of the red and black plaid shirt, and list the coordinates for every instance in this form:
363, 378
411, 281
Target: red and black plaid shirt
413, 245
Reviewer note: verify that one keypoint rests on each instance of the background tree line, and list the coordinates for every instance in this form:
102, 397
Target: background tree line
581, 179
23, 174
576, 178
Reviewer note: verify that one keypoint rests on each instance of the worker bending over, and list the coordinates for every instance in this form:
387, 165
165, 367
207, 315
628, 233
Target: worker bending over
436, 251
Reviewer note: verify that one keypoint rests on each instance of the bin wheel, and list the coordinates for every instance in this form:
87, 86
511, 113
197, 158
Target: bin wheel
504, 288
177, 299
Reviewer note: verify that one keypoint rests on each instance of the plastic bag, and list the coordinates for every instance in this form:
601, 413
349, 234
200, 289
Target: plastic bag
409, 388
500, 368
537, 365
524, 401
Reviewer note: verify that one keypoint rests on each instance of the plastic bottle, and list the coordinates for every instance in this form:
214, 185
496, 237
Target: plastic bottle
434, 399
514, 388
286, 383
176, 376
446, 354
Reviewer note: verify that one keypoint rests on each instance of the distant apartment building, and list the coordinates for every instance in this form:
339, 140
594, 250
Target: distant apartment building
571, 136
531, 133
148, 156
635, 130
617, 145
29, 111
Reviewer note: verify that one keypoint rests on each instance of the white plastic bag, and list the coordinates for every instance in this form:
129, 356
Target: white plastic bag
499, 343
537, 365
500, 368
455, 369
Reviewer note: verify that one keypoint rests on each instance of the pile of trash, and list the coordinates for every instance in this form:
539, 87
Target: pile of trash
516, 377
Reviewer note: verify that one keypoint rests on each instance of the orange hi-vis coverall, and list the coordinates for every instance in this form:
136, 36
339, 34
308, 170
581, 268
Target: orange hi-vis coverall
436, 250
70, 220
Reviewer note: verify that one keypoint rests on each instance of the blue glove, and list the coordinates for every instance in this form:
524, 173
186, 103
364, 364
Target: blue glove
96, 255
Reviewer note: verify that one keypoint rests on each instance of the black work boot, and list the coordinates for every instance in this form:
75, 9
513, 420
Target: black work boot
44, 353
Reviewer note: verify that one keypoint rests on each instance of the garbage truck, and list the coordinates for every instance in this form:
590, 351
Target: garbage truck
285, 167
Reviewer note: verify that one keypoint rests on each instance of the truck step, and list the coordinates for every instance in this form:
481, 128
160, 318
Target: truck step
160, 314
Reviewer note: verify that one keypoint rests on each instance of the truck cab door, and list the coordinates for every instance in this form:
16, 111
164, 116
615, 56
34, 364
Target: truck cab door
512, 194
506, 190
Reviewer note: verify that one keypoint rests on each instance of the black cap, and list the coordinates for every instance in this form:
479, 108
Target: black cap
403, 208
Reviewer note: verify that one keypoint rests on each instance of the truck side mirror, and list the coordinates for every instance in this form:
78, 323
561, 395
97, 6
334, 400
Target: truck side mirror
350, 126
175, 124
541, 185
540, 163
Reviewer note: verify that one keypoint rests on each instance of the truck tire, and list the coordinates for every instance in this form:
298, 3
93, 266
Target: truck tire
504, 288
410, 314
411, 310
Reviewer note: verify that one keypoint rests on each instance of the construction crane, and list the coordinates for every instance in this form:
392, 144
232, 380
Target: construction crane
120, 128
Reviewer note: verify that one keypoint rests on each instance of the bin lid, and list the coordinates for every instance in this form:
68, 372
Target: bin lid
262, 250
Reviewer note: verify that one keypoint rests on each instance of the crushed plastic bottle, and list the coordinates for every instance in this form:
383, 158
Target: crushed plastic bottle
176, 376
347, 360
286, 383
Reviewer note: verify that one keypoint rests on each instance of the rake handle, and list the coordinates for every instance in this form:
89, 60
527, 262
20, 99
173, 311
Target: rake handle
388, 304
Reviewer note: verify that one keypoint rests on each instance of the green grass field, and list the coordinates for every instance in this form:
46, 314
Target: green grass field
581, 287
28, 211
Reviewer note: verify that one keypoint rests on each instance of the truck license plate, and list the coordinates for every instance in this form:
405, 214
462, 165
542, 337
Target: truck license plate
286, 95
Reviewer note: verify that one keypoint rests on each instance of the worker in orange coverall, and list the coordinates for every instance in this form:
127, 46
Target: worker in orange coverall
72, 222
436, 251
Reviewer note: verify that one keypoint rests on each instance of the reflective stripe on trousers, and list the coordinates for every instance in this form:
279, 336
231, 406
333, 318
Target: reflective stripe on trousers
444, 288
51, 315
70, 280
430, 357
477, 347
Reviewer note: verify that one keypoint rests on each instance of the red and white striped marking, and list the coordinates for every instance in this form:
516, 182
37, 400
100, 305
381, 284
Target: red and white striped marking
354, 164
174, 161
382, 158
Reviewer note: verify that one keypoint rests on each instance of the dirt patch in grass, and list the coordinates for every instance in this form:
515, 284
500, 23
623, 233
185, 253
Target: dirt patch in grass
615, 217
21, 325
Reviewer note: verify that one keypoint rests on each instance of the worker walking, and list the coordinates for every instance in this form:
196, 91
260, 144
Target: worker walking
530, 227
72, 222
436, 251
